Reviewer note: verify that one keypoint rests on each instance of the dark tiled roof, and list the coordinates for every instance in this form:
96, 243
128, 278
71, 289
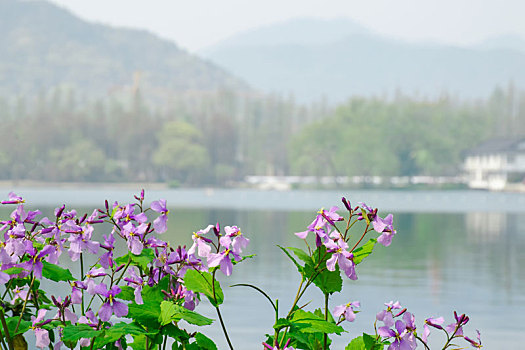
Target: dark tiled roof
498, 145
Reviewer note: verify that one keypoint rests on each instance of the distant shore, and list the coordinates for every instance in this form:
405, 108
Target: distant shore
159, 186
75, 185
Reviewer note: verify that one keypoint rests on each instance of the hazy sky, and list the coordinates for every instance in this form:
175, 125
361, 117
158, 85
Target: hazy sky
194, 24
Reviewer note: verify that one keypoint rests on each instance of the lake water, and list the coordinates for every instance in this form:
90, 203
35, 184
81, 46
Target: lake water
457, 250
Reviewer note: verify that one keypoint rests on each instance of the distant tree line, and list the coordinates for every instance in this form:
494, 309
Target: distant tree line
218, 138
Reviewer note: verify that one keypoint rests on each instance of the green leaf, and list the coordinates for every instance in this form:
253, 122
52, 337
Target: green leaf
73, 333
365, 216
170, 312
299, 267
327, 281
22, 328
319, 256
56, 273
118, 331
281, 323
139, 343
204, 342
301, 254
371, 343
201, 282
356, 344
146, 314
146, 256
320, 313
365, 342
154, 293
235, 262
308, 322
13, 270
127, 293
174, 332
364, 251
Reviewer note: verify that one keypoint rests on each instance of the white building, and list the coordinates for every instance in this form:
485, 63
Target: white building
496, 163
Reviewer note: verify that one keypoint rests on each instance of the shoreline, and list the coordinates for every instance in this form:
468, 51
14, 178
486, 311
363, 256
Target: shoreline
159, 186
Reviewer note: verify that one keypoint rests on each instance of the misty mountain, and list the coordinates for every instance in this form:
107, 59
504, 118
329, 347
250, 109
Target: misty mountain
503, 42
344, 59
43, 46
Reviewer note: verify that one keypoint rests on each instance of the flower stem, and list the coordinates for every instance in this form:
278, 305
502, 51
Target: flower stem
82, 278
6, 330
25, 304
326, 319
421, 340
360, 239
219, 312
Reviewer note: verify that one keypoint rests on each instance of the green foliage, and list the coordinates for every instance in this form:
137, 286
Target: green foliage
146, 314
13, 270
366, 342
56, 273
314, 269
201, 282
118, 331
72, 333
204, 342
170, 312
309, 322
154, 293
146, 256
127, 293
402, 137
180, 151
22, 328
364, 251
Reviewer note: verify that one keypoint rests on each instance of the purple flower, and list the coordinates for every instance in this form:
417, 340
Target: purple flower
387, 232
404, 339
106, 259
393, 306
191, 299
276, 347
111, 305
42, 335
340, 256
127, 214
80, 240
76, 293
4, 277
91, 320
223, 259
134, 236
160, 224
457, 328
90, 282
14, 240
320, 225
200, 242
234, 237
13, 199
347, 310
136, 282
386, 317
433, 322
64, 314
476, 344
35, 262
19, 293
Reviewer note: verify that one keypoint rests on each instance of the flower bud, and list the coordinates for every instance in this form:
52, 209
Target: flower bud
347, 204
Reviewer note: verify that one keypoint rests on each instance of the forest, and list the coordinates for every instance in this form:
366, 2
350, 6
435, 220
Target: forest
217, 138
